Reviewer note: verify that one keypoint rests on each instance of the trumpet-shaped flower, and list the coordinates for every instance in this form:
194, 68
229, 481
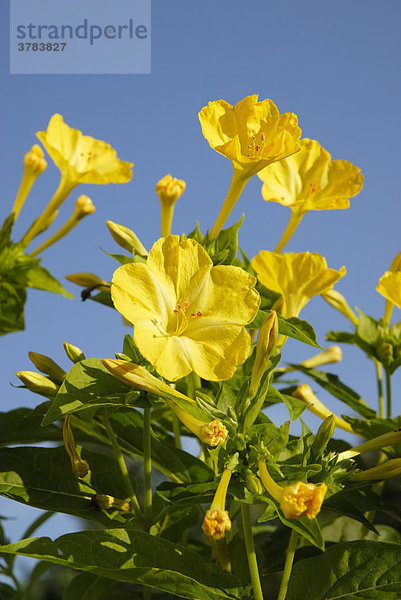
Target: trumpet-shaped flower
217, 521
297, 277
187, 314
82, 158
389, 286
310, 180
252, 134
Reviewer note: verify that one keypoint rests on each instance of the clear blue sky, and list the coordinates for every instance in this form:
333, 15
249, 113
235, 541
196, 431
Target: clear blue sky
335, 64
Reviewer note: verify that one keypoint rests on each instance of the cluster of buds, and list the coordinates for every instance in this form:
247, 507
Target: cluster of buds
213, 433
38, 383
296, 500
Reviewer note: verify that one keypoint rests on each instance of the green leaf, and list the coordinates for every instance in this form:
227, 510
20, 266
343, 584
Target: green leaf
293, 327
133, 556
88, 385
86, 586
258, 400
294, 406
23, 426
5, 231
274, 438
196, 234
103, 297
12, 302
341, 337
370, 428
42, 477
39, 278
223, 249
332, 384
360, 570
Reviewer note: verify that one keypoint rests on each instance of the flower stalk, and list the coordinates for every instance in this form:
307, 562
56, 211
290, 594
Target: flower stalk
238, 182
250, 552
295, 219
34, 164
289, 560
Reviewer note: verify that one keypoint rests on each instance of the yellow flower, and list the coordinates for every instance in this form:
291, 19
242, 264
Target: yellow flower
252, 135
81, 159
297, 277
389, 286
169, 189
188, 315
212, 433
296, 500
309, 180
217, 521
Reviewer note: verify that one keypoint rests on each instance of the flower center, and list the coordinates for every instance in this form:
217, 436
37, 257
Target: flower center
256, 143
184, 318
314, 187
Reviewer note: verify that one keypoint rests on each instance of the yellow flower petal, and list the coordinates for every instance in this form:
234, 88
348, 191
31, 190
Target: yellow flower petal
81, 158
389, 286
302, 500
188, 315
310, 180
252, 134
297, 277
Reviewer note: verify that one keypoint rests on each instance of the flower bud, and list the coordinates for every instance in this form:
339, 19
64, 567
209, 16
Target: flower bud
48, 366
302, 500
337, 301
332, 354
265, 344
324, 434
74, 353
217, 521
83, 207
126, 238
34, 161
385, 353
79, 466
213, 433
104, 501
253, 482
387, 470
88, 280
381, 441
305, 393
34, 165
169, 189
38, 383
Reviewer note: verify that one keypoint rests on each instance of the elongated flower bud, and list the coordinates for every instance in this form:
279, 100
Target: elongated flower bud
34, 165
305, 393
74, 353
253, 482
387, 470
213, 433
324, 434
217, 521
381, 441
169, 189
126, 238
265, 344
88, 280
104, 501
48, 366
38, 383
332, 354
337, 301
79, 466
296, 500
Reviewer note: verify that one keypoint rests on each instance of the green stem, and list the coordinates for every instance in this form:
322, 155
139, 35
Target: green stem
295, 219
238, 182
147, 466
176, 430
388, 393
289, 559
380, 388
122, 466
250, 551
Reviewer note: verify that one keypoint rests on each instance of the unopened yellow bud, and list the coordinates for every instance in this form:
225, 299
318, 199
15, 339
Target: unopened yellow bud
104, 501
337, 301
38, 383
305, 393
34, 161
74, 353
302, 500
332, 354
381, 441
213, 433
48, 366
396, 264
387, 470
83, 207
126, 238
216, 523
79, 466
265, 344
169, 189
88, 280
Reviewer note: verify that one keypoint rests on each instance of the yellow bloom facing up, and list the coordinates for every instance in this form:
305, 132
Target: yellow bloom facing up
252, 135
309, 180
81, 159
188, 315
212, 433
34, 165
296, 500
169, 189
297, 277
